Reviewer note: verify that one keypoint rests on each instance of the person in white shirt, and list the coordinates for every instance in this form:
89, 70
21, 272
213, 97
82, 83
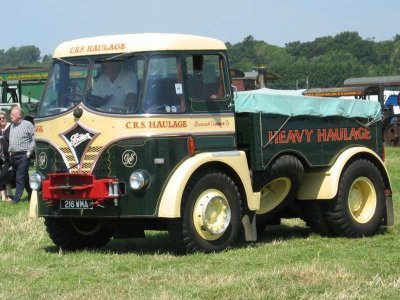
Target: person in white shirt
117, 87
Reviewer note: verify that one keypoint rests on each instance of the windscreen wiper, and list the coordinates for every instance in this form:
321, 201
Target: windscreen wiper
70, 63
119, 55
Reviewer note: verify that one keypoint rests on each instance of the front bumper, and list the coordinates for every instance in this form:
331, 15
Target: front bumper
77, 186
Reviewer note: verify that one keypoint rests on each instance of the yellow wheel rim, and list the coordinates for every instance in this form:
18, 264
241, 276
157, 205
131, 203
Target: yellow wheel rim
273, 194
211, 214
362, 200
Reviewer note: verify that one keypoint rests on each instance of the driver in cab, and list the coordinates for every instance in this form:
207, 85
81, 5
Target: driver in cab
117, 87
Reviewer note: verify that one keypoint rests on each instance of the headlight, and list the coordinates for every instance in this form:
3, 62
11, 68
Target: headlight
35, 181
139, 180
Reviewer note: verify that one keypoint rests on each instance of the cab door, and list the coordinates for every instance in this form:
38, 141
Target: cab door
209, 99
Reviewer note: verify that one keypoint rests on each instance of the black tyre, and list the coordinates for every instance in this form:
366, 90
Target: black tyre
211, 213
313, 213
74, 234
279, 185
359, 206
390, 137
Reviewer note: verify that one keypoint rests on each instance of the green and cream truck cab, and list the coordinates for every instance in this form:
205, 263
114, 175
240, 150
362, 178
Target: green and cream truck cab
144, 132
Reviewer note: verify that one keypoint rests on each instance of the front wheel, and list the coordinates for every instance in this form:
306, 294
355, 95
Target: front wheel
358, 209
74, 234
211, 218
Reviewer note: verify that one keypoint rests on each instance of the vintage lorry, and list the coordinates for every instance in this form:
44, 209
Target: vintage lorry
22, 85
151, 136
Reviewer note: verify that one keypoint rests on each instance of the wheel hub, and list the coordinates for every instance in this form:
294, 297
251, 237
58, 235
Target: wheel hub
212, 214
362, 200
356, 199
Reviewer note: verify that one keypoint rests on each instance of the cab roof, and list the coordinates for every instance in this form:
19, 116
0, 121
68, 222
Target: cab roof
127, 43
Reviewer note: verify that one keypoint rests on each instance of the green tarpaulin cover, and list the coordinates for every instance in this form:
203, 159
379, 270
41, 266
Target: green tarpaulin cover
292, 103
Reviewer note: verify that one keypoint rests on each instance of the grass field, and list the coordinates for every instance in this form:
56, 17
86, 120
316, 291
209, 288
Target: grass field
288, 262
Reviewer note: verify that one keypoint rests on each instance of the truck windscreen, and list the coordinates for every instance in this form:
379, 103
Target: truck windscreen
104, 85
65, 87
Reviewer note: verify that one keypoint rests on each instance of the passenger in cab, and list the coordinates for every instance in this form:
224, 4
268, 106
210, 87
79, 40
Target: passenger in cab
117, 87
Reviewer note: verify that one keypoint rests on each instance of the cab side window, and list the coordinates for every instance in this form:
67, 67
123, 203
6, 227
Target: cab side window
205, 76
163, 90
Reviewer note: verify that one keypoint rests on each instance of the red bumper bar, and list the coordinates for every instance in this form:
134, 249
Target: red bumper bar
78, 186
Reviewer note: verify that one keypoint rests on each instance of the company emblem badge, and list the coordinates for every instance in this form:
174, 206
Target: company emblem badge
129, 158
78, 140
42, 161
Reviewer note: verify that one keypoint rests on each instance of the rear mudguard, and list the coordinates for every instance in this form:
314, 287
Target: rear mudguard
324, 185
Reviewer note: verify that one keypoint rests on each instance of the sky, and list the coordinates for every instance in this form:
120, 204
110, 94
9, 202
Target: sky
47, 23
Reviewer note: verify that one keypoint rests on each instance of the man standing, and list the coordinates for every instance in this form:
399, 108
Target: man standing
21, 147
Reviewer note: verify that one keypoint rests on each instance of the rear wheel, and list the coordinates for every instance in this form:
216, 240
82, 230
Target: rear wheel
278, 186
313, 213
358, 209
390, 137
73, 234
211, 213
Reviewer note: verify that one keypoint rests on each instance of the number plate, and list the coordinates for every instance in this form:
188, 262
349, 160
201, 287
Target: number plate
76, 204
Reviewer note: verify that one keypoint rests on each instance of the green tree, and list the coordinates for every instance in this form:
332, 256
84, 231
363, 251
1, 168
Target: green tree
395, 56
331, 69
24, 55
326, 62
